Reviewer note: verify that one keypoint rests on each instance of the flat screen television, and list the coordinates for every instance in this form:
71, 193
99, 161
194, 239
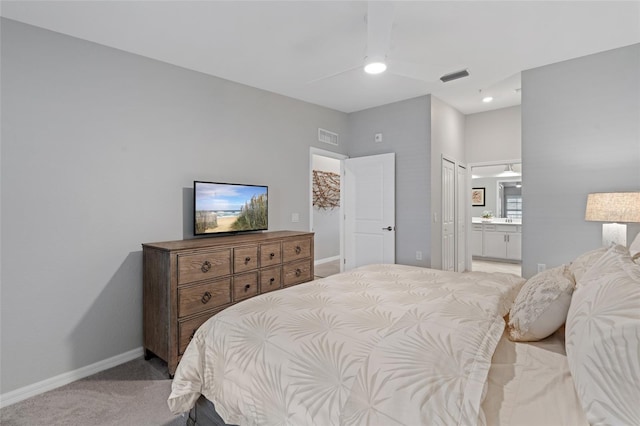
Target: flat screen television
224, 208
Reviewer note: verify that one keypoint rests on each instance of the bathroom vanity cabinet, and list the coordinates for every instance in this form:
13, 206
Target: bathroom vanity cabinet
497, 241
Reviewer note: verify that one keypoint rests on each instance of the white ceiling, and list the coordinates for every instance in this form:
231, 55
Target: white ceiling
302, 49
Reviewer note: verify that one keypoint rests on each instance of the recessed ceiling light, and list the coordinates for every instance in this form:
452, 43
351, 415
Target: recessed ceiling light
375, 67
487, 99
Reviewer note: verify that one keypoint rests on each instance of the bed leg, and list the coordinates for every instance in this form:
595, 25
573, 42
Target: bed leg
192, 417
148, 354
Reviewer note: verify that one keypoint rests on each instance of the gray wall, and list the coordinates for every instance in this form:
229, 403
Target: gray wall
406, 131
580, 134
493, 136
447, 139
99, 152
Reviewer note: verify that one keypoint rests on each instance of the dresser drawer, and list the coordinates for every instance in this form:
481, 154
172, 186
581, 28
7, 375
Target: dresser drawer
245, 259
270, 254
296, 249
296, 272
245, 286
186, 330
201, 297
270, 279
203, 266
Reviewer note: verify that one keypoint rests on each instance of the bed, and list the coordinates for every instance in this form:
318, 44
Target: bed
403, 345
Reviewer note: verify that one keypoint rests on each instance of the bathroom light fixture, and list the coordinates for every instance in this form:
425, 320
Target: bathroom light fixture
613, 207
487, 99
508, 171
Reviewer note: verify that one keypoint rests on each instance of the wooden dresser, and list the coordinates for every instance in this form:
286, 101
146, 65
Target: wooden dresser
185, 282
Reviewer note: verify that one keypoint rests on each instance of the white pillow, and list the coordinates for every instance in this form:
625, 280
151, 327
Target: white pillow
582, 263
603, 340
541, 305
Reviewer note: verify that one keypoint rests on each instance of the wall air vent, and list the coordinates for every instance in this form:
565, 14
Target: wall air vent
454, 76
327, 137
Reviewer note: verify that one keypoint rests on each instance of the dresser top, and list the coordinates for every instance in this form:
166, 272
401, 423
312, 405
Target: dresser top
226, 240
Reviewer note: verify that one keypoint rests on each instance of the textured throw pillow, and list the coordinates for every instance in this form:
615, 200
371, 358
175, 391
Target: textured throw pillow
541, 305
603, 340
583, 262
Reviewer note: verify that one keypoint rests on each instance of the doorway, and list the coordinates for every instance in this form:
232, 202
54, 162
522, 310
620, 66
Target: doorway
496, 216
326, 212
357, 227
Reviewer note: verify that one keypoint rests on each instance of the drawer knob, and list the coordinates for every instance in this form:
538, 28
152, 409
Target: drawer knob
298, 249
247, 287
298, 272
205, 266
205, 297
247, 260
272, 255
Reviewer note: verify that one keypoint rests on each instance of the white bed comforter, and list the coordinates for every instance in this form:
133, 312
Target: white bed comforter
379, 345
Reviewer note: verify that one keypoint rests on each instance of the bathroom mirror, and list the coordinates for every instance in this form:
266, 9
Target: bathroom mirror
501, 187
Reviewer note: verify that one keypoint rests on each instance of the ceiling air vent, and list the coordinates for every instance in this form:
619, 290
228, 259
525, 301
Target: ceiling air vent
454, 75
327, 137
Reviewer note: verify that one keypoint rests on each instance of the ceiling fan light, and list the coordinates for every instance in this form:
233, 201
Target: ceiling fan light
375, 67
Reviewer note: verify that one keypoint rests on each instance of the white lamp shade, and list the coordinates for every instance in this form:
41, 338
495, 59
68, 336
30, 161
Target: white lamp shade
620, 207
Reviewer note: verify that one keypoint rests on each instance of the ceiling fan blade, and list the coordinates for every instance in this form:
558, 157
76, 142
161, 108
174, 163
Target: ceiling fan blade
414, 71
336, 74
379, 23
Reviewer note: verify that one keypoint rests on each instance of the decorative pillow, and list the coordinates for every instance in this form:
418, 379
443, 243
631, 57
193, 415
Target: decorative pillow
541, 305
603, 340
583, 262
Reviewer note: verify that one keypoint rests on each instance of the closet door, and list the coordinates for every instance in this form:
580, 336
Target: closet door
448, 215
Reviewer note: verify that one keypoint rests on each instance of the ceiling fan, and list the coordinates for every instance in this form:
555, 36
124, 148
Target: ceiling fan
377, 59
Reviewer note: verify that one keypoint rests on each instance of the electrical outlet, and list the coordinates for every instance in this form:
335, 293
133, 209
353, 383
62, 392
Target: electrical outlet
541, 267
295, 217
418, 255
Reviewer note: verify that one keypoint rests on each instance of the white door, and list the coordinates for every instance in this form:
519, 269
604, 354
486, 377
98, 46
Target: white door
448, 216
461, 218
369, 208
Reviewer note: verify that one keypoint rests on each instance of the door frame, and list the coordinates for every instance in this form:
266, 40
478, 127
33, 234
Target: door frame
341, 157
470, 167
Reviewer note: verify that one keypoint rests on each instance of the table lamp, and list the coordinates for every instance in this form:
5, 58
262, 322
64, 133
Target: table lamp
615, 208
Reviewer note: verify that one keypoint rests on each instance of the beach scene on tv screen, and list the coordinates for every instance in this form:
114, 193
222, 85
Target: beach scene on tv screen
229, 208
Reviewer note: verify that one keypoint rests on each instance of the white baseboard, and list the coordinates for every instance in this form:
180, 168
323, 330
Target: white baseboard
326, 260
66, 378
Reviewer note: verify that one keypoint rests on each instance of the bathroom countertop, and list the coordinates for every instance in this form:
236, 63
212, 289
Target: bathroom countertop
498, 220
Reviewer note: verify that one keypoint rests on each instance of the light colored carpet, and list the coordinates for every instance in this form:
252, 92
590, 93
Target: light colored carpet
134, 393
323, 270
